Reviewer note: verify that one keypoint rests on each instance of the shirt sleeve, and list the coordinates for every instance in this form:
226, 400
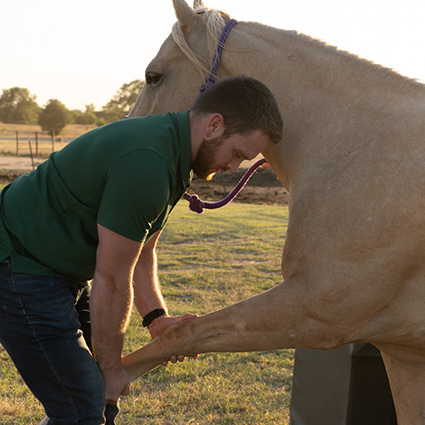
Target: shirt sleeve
136, 191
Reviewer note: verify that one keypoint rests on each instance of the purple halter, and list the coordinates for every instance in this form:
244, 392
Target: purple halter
210, 80
195, 203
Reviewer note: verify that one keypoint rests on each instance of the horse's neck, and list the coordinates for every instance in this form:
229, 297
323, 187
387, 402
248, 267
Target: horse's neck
319, 89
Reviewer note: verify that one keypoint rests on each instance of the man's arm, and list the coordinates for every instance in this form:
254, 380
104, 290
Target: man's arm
147, 292
110, 306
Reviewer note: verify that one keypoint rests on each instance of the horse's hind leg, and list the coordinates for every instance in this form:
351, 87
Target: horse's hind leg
406, 374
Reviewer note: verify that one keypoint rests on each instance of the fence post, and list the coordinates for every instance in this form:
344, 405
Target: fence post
53, 141
17, 143
30, 148
36, 144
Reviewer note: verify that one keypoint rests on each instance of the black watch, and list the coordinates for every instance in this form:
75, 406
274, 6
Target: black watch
154, 314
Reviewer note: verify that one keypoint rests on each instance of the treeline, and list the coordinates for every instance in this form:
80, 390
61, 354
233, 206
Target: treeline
18, 106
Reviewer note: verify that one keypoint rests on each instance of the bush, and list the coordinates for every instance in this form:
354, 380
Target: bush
54, 117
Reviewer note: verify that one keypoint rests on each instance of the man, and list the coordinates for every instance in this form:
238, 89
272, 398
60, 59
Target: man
95, 210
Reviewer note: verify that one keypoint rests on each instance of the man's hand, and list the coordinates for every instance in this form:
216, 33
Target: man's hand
117, 383
163, 322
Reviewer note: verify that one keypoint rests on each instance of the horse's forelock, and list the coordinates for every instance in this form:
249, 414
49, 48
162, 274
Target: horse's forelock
215, 21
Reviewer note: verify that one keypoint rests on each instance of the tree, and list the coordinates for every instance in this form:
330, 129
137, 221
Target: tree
54, 117
122, 102
18, 106
87, 117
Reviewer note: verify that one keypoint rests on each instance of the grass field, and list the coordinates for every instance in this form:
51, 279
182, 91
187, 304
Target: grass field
206, 262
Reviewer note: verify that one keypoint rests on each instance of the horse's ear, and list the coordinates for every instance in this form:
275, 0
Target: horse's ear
185, 14
197, 4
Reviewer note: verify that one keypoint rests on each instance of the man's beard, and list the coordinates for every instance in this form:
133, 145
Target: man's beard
205, 158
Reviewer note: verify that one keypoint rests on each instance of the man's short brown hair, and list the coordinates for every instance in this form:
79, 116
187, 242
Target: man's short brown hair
246, 105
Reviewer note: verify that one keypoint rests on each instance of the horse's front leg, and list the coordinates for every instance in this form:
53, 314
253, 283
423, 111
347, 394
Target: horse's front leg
282, 317
406, 372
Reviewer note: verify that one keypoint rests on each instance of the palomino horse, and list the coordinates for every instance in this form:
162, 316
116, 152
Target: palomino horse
353, 160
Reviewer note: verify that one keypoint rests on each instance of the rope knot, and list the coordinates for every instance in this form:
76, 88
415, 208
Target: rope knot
195, 203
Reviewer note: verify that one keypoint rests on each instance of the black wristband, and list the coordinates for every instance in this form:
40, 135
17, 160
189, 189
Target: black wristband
150, 317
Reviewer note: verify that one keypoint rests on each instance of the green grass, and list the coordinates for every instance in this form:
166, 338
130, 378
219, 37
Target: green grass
206, 262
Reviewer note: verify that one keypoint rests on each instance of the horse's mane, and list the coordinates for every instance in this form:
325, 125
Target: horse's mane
215, 21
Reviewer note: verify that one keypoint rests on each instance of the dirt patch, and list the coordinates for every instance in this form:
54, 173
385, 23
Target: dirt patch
262, 188
12, 167
18, 164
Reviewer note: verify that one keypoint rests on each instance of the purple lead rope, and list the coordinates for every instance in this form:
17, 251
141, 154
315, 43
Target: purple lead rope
197, 205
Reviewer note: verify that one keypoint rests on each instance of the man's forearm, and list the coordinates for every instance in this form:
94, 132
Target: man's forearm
147, 292
110, 308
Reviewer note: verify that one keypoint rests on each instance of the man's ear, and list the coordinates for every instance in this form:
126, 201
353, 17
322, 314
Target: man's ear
215, 126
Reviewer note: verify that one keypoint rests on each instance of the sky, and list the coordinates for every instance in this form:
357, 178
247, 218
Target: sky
82, 52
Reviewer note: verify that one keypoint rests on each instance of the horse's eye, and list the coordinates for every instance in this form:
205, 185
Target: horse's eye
152, 78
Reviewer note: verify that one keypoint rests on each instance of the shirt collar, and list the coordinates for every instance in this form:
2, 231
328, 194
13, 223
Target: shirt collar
183, 131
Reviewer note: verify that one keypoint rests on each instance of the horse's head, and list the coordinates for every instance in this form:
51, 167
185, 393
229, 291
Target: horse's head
175, 75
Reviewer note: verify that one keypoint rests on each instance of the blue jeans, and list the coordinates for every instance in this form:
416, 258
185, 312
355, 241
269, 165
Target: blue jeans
40, 330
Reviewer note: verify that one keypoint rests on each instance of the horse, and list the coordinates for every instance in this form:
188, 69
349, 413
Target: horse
353, 160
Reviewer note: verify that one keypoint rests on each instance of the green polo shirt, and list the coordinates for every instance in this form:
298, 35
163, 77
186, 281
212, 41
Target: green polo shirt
126, 176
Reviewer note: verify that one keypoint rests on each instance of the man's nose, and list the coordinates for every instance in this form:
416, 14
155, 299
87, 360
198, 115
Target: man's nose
234, 165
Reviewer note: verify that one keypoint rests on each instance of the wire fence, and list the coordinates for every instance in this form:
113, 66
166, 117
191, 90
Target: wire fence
34, 144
